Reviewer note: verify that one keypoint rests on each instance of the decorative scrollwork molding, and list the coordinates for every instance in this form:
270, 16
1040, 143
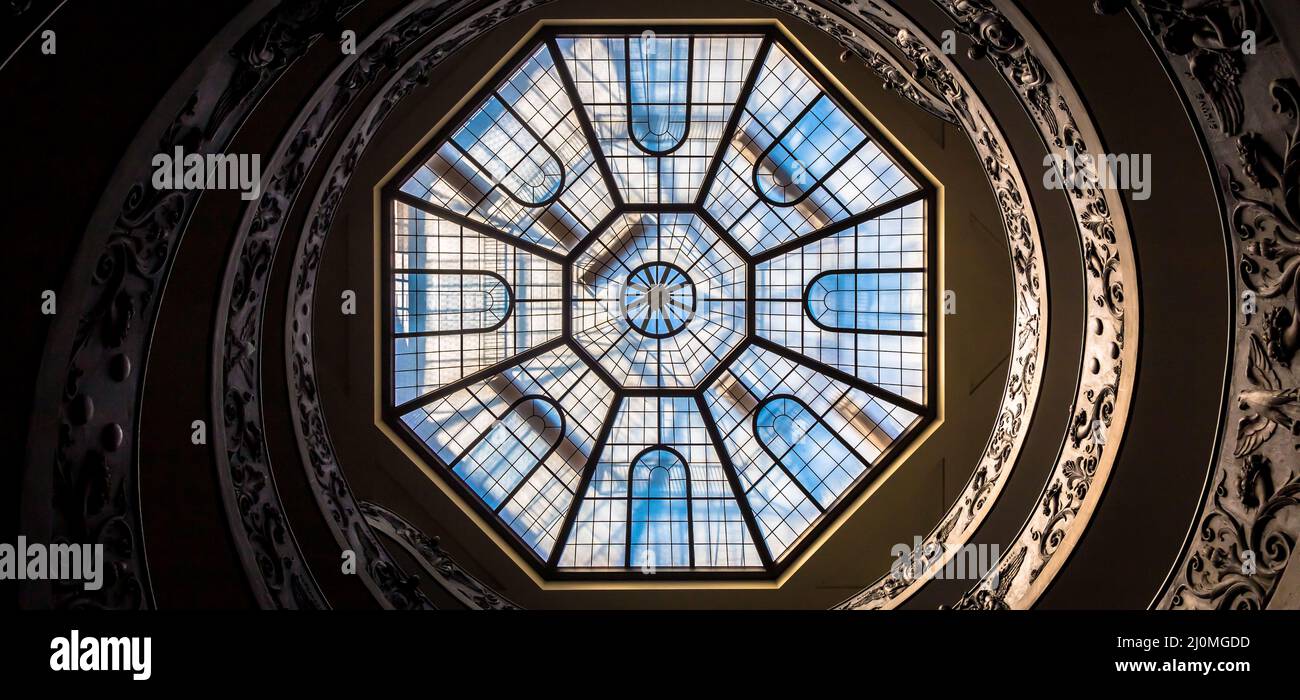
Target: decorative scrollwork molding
435, 561
994, 597
91, 489
1030, 309
1002, 34
440, 27
1245, 527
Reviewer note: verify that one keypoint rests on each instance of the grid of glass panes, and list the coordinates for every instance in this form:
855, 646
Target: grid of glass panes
784, 506
608, 528
439, 337
882, 340
695, 104
599, 321
782, 95
530, 148
532, 502
466, 301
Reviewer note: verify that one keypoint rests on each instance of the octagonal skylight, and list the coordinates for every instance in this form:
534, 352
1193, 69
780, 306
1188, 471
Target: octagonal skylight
658, 302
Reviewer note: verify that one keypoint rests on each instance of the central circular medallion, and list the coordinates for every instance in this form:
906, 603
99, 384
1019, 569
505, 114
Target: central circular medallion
659, 299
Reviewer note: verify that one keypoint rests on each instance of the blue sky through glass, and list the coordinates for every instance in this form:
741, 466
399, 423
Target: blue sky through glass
640, 312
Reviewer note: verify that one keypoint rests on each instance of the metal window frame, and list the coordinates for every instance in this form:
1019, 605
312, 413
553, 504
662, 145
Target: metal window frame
772, 567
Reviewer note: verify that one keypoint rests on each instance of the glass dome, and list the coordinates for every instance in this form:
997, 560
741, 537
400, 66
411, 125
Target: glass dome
659, 302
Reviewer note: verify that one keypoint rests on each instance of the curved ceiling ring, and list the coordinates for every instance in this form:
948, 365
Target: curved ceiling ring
1250, 506
90, 386
289, 32
236, 373
1030, 312
1000, 32
1100, 410
1099, 415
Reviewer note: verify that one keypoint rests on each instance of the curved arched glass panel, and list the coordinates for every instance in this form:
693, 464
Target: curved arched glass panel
659, 90
506, 454
806, 448
502, 145
858, 300
659, 103
659, 519
649, 507
519, 163
817, 142
452, 302
865, 301
798, 162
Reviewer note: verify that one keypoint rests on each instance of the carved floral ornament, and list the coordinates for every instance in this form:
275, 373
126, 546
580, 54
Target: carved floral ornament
1097, 401
1250, 499
1073, 488
266, 542
1245, 106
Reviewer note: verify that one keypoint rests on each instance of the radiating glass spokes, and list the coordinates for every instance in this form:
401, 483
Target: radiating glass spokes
660, 299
